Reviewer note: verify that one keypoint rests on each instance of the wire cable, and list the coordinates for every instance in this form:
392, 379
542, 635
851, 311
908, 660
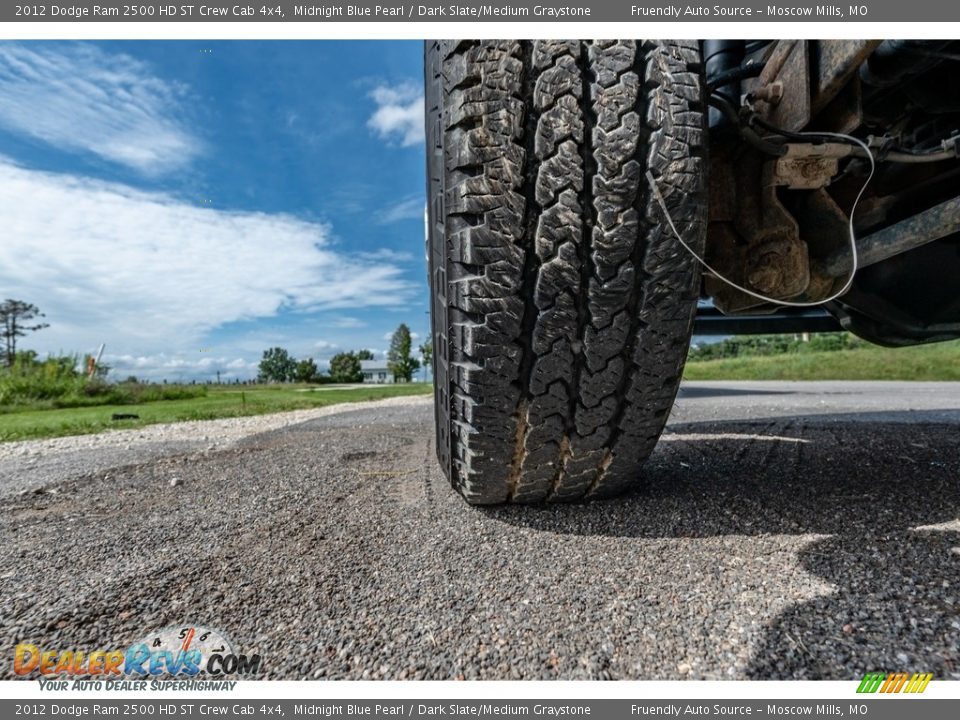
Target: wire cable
893, 154
758, 296
733, 75
748, 133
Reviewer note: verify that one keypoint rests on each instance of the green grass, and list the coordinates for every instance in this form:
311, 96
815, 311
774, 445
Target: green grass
219, 402
926, 362
940, 361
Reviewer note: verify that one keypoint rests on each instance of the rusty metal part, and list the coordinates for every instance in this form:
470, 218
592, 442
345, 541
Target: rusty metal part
806, 77
818, 150
772, 93
837, 61
777, 59
825, 228
759, 246
725, 253
844, 113
807, 166
773, 238
795, 245
778, 268
755, 240
788, 66
723, 186
925, 227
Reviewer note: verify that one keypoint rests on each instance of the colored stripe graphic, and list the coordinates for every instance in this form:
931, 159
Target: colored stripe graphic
921, 683
898, 683
894, 682
870, 683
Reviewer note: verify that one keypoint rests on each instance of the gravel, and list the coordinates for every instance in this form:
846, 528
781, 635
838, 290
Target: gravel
783, 533
28, 465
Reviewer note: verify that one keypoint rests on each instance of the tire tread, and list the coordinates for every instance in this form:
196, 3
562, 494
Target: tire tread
568, 306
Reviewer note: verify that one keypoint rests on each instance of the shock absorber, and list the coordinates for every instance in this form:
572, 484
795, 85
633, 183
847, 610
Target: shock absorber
719, 56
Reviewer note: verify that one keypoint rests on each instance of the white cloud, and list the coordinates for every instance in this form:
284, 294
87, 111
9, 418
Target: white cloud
82, 99
389, 336
145, 272
399, 113
387, 254
410, 208
324, 345
176, 367
346, 322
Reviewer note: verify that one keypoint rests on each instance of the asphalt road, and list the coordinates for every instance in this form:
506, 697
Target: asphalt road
786, 530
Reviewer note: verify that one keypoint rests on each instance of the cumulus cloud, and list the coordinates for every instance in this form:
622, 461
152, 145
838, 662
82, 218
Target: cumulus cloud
399, 113
82, 99
144, 271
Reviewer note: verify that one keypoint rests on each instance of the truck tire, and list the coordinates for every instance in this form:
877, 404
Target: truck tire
562, 304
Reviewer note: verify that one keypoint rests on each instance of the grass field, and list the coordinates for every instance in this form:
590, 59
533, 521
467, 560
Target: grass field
219, 402
940, 361
926, 362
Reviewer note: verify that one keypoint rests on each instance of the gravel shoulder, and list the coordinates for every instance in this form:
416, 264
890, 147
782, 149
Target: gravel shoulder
783, 533
29, 465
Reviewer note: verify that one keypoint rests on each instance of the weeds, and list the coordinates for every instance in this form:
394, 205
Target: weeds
31, 384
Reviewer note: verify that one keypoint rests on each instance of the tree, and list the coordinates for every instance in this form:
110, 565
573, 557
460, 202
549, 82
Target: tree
15, 317
399, 360
305, 371
365, 354
426, 352
277, 366
345, 368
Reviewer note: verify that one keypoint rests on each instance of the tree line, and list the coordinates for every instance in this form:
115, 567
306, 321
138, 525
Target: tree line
760, 345
17, 318
279, 366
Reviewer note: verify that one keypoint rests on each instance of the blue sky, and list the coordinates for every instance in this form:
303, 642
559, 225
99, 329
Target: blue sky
192, 203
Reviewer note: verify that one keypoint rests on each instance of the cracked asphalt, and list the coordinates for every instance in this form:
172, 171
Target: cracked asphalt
785, 530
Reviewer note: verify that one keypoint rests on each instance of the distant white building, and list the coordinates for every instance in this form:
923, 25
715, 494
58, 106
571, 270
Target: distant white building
376, 372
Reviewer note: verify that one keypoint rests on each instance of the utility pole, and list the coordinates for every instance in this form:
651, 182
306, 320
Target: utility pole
426, 370
94, 362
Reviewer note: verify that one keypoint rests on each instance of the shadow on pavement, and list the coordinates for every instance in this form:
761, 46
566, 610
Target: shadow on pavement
869, 488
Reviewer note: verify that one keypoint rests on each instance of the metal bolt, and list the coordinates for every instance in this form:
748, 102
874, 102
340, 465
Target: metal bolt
771, 93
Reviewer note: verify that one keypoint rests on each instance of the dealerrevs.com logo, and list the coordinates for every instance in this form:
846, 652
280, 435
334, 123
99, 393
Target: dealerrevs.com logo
181, 651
